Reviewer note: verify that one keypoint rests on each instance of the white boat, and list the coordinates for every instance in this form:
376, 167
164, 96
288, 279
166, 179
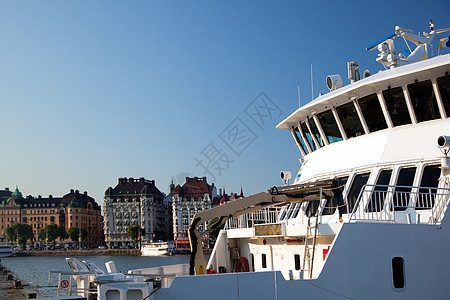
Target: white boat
6, 250
365, 217
157, 248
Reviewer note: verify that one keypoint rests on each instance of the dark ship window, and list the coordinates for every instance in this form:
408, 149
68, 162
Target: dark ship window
430, 180
299, 140
396, 105
402, 193
297, 261
308, 136
359, 181
444, 89
373, 115
329, 126
350, 120
315, 131
263, 260
423, 101
376, 202
398, 270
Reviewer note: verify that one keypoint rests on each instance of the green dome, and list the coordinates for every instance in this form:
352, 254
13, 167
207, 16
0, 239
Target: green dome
16, 193
75, 204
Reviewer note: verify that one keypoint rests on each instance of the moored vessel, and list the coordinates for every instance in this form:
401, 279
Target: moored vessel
6, 250
157, 248
366, 214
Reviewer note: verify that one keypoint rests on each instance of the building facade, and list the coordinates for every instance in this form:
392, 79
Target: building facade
195, 195
136, 202
74, 209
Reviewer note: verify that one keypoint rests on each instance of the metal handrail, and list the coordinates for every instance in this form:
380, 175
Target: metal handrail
381, 202
264, 216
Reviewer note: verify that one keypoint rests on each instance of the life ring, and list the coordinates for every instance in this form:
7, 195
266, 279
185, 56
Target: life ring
242, 265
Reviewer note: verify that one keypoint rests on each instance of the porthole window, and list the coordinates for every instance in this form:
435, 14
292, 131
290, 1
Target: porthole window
297, 261
398, 272
263, 261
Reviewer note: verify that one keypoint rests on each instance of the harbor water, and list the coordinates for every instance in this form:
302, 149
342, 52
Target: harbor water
34, 270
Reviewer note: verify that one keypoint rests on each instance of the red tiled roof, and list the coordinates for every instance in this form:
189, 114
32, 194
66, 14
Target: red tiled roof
194, 188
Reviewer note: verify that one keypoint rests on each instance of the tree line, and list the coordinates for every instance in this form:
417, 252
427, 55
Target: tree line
21, 233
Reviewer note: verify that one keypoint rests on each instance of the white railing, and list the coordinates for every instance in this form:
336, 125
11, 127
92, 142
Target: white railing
387, 202
264, 216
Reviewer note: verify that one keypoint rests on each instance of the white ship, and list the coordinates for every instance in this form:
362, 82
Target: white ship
6, 250
365, 218
158, 248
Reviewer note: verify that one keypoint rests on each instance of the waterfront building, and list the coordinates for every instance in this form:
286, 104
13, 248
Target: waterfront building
195, 195
136, 202
74, 209
223, 197
9, 210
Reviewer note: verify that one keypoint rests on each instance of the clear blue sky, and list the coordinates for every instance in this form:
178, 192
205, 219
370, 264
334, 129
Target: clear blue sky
91, 91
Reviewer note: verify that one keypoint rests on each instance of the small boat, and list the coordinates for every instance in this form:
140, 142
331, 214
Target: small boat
6, 250
158, 248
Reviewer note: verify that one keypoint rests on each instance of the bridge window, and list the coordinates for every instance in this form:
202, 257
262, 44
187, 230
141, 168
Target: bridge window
308, 136
376, 202
315, 131
396, 105
430, 181
329, 126
404, 181
423, 100
444, 89
350, 120
332, 203
299, 140
371, 110
359, 181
